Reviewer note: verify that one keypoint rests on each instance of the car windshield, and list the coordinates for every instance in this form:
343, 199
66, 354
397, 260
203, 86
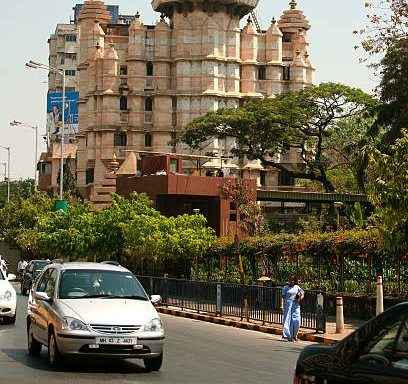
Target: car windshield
84, 283
38, 267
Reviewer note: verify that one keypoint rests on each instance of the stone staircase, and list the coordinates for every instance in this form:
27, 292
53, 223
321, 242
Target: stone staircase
100, 194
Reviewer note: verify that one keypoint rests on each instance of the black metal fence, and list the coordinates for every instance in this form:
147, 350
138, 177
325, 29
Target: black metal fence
228, 299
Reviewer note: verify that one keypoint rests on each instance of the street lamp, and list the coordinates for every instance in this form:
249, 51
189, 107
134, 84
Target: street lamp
15, 123
8, 172
61, 72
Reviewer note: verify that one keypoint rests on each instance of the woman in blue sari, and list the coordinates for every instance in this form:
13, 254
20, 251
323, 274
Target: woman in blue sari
292, 295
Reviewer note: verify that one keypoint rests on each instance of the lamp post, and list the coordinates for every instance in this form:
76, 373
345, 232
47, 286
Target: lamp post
61, 72
15, 123
8, 172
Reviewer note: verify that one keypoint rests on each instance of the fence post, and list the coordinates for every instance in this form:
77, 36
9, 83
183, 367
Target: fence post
339, 315
379, 308
166, 290
219, 299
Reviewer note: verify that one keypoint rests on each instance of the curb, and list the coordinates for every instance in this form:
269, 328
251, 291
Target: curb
243, 325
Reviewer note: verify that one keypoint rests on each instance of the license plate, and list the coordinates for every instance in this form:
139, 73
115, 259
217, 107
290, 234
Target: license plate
116, 340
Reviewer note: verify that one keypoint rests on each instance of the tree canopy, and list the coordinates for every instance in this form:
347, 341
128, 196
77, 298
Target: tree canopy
389, 194
387, 25
266, 128
386, 34
128, 228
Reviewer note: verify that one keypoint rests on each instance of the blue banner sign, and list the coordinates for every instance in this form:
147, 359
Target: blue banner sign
54, 113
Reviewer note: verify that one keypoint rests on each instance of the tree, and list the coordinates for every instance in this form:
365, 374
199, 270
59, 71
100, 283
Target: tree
389, 195
20, 216
351, 144
69, 185
394, 92
388, 24
304, 120
386, 33
21, 189
240, 193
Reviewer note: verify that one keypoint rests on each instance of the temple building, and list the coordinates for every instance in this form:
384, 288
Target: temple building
141, 84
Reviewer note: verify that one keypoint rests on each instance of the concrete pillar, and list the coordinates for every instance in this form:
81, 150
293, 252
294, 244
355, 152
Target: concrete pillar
339, 315
379, 308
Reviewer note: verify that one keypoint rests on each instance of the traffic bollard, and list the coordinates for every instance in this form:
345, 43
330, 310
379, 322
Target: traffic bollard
339, 315
379, 307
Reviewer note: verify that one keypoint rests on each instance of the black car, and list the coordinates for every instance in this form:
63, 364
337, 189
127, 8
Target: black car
33, 269
377, 352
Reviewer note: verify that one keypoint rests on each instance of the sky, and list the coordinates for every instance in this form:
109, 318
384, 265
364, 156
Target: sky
26, 26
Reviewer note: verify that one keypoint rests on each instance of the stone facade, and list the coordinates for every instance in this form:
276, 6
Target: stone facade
139, 85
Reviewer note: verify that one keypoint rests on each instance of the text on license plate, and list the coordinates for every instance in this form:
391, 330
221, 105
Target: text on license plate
116, 340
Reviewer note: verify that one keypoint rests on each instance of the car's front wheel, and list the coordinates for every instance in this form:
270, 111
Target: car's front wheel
153, 364
54, 356
34, 347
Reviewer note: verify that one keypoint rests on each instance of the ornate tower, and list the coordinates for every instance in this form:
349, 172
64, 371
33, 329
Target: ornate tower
140, 85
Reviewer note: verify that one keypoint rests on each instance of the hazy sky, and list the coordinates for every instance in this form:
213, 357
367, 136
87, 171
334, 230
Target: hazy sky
27, 24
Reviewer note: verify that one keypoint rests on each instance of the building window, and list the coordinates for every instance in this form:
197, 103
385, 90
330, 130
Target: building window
285, 178
286, 73
70, 72
123, 103
262, 73
287, 37
262, 178
174, 165
71, 56
70, 37
148, 140
45, 168
149, 69
120, 139
89, 175
123, 70
148, 104
62, 61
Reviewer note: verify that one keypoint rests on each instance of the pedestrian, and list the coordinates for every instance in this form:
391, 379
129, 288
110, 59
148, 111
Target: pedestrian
292, 295
21, 266
3, 264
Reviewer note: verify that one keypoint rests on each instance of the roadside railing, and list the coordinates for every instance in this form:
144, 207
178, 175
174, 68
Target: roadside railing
227, 299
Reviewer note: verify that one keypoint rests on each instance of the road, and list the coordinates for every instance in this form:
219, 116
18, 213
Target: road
195, 352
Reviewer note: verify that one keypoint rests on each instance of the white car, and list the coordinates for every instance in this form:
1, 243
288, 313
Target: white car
93, 310
8, 298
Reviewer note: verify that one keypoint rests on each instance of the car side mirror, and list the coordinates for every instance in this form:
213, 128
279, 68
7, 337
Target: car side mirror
11, 277
41, 296
155, 299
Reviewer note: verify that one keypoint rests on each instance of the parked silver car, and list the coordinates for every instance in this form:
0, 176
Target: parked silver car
93, 309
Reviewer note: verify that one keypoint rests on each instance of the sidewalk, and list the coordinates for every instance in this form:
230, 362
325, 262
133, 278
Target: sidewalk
330, 337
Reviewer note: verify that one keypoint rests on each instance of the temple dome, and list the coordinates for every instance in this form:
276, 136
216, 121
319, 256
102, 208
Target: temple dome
293, 19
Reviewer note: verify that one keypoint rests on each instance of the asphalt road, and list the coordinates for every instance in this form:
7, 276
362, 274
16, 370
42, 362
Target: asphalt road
195, 352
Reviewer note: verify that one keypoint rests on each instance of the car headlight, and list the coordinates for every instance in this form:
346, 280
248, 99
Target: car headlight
154, 325
72, 324
7, 295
